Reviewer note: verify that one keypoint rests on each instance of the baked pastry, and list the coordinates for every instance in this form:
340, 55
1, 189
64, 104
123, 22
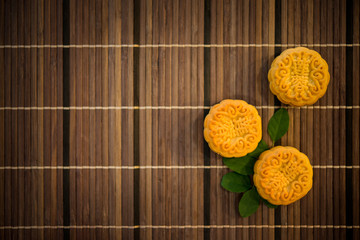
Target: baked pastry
233, 128
283, 175
299, 76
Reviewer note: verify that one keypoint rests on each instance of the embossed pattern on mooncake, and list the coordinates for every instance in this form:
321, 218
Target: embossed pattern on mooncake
233, 128
299, 76
283, 175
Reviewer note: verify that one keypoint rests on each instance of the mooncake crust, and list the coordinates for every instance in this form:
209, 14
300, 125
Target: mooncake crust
233, 128
299, 76
283, 175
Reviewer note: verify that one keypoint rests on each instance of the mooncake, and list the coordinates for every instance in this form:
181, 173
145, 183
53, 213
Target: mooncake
283, 175
299, 76
233, 128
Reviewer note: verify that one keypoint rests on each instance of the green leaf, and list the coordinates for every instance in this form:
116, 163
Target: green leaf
249, 202
278, 124
262, 146
245, 165
235, 182
269, 205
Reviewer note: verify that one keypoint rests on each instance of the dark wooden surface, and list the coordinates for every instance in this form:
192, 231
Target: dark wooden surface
102, 106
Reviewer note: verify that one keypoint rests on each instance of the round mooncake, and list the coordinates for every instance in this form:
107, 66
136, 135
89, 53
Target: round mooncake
283, 175
233, 128
299, 76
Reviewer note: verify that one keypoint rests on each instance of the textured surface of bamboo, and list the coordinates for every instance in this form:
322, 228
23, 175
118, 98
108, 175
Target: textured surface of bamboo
102, 106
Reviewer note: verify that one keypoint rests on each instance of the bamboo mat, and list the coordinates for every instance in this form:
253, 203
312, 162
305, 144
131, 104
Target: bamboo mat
102, 106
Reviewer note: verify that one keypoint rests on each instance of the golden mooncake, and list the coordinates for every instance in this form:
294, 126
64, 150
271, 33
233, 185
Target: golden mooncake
283, 175
233, 128
299, 76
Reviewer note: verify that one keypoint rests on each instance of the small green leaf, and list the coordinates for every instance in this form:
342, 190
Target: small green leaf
269, 205
249, 202
235, 182
245, 165
278, 124
262, 146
